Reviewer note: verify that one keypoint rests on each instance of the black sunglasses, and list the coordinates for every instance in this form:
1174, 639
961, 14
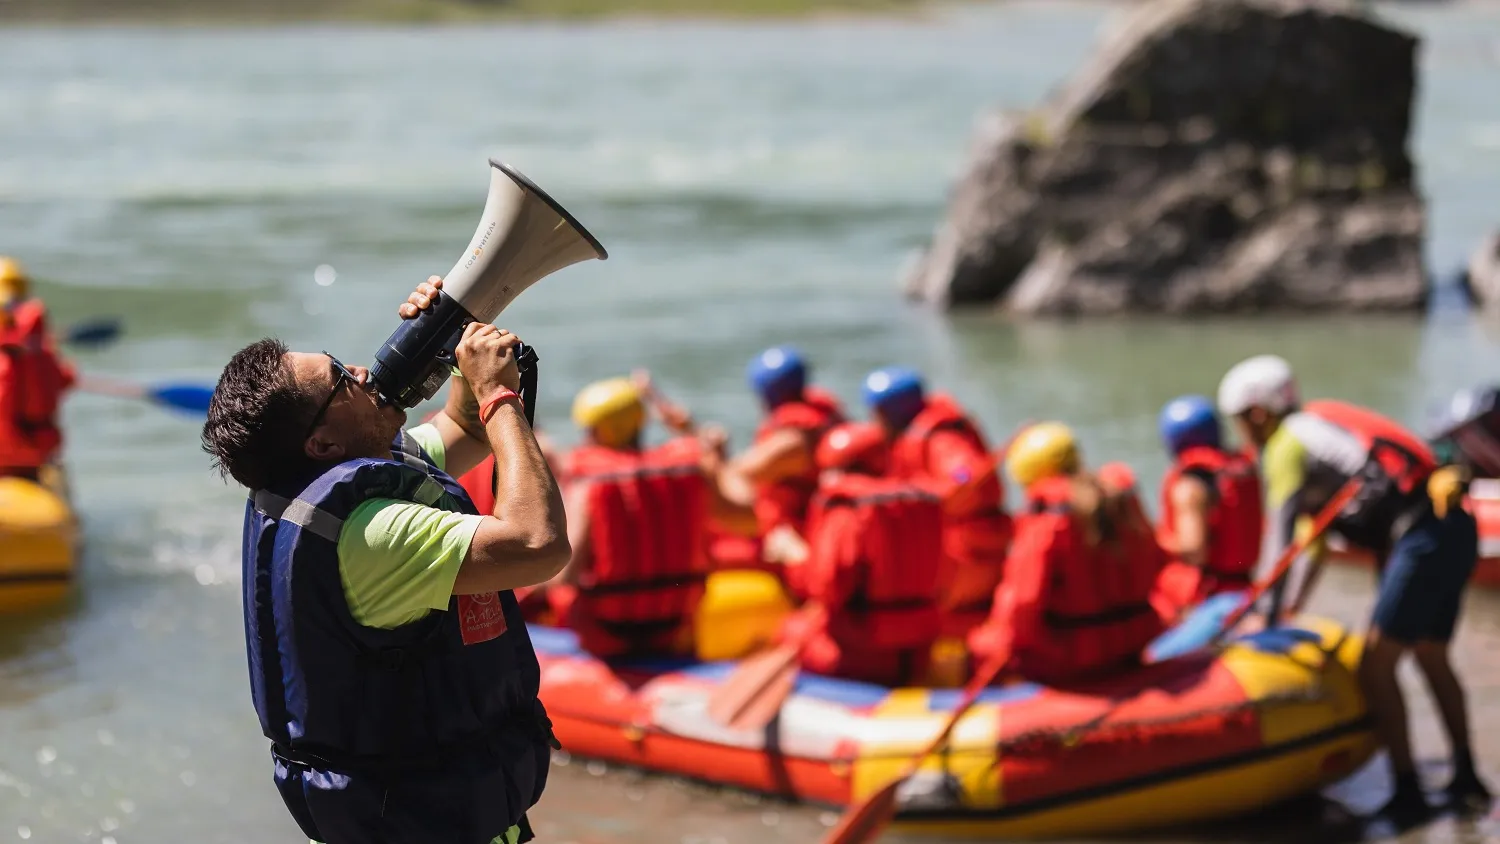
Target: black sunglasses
341, 377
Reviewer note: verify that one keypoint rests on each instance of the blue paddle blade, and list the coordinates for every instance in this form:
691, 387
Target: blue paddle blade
96, 333
193, 398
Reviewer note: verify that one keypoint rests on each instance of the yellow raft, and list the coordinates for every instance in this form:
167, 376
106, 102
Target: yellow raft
38, 542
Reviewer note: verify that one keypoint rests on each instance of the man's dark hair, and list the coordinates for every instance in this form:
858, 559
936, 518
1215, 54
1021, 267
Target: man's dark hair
257, 418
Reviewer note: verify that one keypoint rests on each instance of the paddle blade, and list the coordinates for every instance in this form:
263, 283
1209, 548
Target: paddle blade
865, 822
756, 690
95, 333
762, 708
190, 398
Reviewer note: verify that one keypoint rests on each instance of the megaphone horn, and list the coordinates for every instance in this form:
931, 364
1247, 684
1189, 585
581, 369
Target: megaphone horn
524, 236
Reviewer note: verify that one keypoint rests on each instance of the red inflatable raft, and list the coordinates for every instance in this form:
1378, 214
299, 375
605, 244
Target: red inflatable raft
1198, 736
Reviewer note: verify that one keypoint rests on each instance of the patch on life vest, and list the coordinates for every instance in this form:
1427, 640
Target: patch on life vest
480, 617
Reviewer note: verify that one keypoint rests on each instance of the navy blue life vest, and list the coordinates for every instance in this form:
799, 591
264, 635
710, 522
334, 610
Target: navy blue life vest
413, 703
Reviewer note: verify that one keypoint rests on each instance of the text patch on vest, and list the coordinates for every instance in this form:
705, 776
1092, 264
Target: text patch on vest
480, 618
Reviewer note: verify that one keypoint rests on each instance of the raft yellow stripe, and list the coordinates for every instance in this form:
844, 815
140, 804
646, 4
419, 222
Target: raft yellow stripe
1197, 797
970, 759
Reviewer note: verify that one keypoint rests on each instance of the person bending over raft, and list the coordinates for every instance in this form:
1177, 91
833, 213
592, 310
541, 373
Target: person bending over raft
1307, 453
33, 378
638, 521
389, 663
1075, 602
1211, 514
872, 577
936, 445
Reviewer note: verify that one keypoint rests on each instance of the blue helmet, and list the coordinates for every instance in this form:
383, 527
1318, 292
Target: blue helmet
896, 393
1189, 421
778, 374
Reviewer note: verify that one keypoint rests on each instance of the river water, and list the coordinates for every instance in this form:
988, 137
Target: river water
754, 184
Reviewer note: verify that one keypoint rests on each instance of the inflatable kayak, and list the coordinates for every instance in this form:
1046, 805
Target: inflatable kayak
38, 534
1197, 735
1484, 503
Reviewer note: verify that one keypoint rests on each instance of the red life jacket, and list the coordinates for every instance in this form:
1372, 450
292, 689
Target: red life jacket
1086, 606
977, 531
875, 547
1406, 459
785, 502
33, 380
648, 515
1395, 476
1235, 526
479, 483
912, 457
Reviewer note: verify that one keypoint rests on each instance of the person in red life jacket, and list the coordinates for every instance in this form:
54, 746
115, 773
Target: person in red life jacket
872, 573
1211, 516
1075, 602
781, 462
1307, 453
390, 666
935, 444
637, 520
33, 378
779, 466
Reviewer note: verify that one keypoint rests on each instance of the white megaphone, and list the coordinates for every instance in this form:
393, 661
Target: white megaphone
524, 236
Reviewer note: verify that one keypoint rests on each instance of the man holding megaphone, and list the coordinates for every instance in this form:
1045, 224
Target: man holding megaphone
389, 662
416, 717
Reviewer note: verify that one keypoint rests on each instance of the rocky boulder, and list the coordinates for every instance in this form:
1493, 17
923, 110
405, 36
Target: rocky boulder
1216, 156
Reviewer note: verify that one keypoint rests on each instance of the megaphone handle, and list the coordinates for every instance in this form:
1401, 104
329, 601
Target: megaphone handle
526, 360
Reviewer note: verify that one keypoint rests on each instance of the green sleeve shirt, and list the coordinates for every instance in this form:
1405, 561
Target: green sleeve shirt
398, 560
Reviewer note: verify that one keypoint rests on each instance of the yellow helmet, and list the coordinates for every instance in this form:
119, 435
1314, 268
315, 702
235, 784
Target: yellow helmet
14, 283
1042, 451
612, 410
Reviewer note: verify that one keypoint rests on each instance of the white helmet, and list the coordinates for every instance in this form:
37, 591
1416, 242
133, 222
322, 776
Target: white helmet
1262, 381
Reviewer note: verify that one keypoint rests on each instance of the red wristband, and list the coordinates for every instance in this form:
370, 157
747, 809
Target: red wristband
487, 409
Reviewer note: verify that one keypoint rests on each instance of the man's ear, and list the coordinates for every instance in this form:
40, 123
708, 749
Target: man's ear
322, 450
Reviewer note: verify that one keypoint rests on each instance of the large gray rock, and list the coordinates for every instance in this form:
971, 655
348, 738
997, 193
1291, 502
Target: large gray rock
1217, 155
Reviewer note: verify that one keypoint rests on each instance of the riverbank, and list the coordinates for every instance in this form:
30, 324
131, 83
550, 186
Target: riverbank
436, 11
